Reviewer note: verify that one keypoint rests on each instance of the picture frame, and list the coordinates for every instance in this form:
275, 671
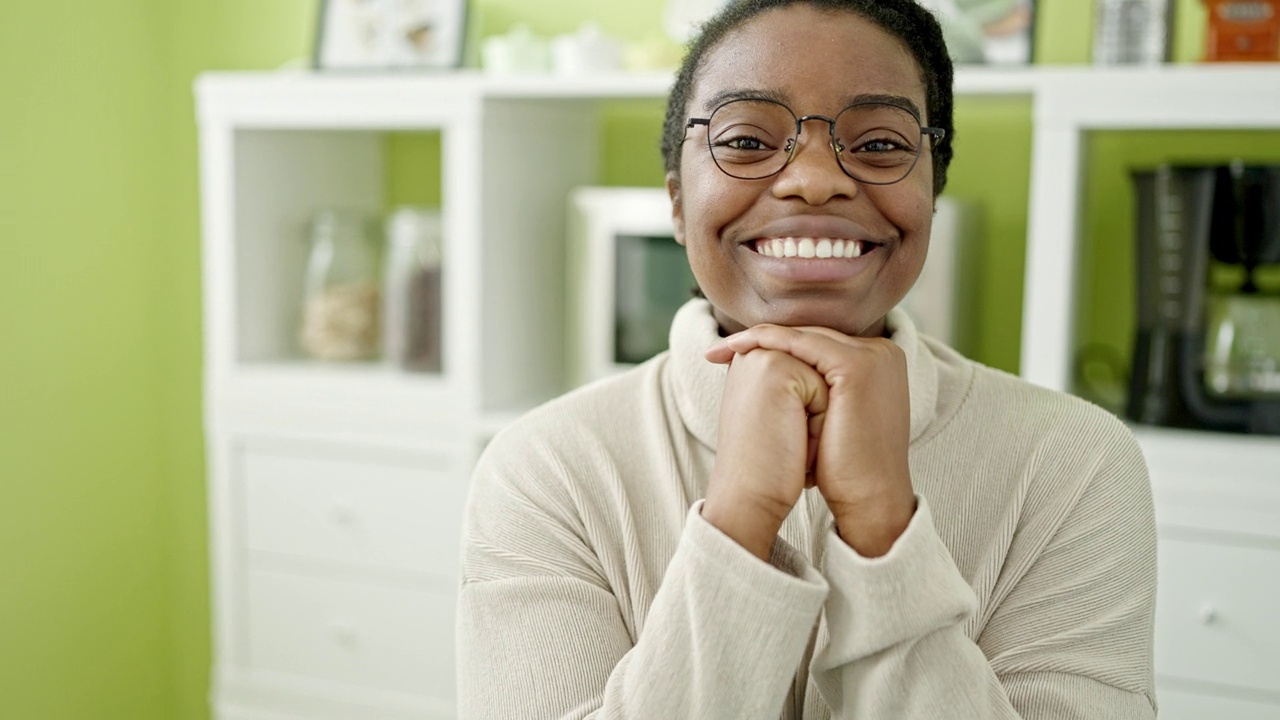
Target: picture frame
987, 32
390, 34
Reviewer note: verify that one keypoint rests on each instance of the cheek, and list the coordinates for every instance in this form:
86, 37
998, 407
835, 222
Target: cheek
908, 207
711, 199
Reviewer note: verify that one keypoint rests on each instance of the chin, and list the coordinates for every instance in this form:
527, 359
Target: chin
841, 316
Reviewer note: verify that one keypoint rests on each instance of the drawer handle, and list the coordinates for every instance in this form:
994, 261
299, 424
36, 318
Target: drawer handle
344, 634
342, 513
1208, 615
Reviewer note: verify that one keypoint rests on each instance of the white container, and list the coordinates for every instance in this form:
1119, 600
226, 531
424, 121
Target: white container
588, 51
519, 52
411, 330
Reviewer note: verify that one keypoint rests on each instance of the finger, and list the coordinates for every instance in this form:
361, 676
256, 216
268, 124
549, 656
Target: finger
827, 351
719, 353
812, 390
751, 336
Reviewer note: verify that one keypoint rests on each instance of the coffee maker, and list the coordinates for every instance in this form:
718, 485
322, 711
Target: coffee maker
1207, 346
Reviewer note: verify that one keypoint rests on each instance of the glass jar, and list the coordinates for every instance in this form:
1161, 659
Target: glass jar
412, 286
342, 302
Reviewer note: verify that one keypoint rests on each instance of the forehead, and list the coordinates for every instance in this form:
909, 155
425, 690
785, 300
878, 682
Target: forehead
816, 61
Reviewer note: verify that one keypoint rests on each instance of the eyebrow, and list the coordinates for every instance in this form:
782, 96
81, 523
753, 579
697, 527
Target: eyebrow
725, 96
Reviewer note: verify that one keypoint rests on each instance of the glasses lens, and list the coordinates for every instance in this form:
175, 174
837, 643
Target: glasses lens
879, 143
751, 139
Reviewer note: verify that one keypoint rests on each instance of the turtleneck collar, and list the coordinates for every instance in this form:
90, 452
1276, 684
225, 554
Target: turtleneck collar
699, 384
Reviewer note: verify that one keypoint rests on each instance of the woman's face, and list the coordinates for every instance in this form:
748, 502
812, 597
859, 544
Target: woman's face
816, 62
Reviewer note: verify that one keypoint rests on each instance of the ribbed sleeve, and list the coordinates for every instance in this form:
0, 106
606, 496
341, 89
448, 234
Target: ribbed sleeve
545, 646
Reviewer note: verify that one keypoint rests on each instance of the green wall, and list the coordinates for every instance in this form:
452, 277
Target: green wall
103, 570
103, 589
83, 496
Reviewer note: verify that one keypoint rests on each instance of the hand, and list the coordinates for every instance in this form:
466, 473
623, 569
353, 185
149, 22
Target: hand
861, 467
766, 445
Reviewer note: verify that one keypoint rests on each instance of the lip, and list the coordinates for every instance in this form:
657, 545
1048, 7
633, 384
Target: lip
815, 226
813, 270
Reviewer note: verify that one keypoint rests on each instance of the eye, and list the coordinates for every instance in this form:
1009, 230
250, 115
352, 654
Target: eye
888, 144
741, 143
879, 150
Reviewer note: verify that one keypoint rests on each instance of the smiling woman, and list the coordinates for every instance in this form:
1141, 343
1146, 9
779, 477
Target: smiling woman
805, 508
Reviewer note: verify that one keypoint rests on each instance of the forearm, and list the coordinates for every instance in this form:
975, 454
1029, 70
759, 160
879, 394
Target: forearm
899, 647
722, 639
945, 674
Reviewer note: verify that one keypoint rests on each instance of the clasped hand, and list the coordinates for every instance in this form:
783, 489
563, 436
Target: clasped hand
810, 406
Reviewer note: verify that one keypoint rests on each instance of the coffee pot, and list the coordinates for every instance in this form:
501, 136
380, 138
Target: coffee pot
1207, 346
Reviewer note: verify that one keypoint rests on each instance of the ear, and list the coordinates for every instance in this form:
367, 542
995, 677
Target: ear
677, 206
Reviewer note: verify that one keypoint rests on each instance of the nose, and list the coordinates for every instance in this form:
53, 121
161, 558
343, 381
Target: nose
813, 173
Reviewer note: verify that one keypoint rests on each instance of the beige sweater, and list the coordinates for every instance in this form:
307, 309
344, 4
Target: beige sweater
1023, 587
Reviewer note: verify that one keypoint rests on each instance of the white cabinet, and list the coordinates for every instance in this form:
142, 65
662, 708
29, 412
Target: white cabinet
1218, 520
1217, 496
336, 491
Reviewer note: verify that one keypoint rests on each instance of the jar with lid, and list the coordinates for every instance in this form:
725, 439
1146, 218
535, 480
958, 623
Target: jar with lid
412, 287
341, 308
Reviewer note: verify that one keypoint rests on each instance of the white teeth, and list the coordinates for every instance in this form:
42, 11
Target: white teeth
811, 247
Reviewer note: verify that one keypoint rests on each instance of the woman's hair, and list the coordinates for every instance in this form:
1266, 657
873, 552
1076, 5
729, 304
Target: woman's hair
904, 19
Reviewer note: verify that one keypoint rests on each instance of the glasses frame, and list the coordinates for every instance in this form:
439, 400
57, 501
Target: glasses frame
935, 134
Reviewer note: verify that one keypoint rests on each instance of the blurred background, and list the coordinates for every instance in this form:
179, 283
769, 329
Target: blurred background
104, 609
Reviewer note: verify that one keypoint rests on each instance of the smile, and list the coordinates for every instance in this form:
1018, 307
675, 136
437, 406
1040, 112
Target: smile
807, 247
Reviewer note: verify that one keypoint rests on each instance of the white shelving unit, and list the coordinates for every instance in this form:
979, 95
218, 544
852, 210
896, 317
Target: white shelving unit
1068, 104
336, 490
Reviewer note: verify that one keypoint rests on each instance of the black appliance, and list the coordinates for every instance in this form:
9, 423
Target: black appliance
1207, 346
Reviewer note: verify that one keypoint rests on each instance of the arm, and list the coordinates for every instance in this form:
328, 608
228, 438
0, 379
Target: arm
541, 635
1071, 640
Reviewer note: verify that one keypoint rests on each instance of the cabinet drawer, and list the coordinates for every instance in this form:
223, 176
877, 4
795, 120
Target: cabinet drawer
385, 508
1215, 614
366, 635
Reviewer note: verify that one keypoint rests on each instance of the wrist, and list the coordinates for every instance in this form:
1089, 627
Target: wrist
872, 531
749, 526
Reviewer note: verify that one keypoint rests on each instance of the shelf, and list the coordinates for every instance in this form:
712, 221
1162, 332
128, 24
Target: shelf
1218, 95
1209, 96
318, 371
331, 400
1068, 102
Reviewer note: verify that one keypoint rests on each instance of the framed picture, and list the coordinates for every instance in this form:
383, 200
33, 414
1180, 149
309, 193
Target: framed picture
993, 32
390, 34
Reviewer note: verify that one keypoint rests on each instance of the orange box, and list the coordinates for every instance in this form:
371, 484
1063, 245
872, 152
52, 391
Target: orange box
1243, 30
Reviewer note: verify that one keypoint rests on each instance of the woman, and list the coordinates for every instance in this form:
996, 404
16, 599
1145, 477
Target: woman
805, 509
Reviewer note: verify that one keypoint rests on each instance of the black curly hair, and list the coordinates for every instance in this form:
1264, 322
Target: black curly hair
904, 19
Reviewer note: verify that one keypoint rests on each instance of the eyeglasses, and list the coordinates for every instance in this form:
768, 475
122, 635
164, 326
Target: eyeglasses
875, 143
